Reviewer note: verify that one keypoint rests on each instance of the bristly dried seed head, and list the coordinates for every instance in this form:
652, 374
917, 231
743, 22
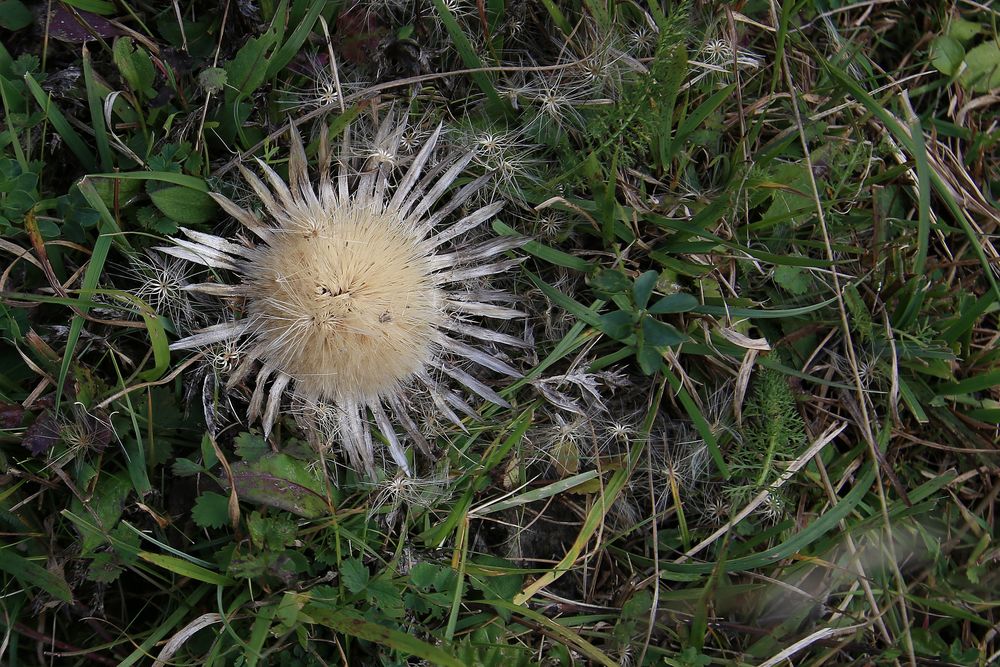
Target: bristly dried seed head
353, 297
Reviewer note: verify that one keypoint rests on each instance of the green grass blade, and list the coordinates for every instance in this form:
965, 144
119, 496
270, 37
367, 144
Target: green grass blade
923, 196
546, 491
697, 418
566, 635
798, 542
284, 54
73, 140
469, 57
192, 182
186, 568
32, 575
546, 253
96, 106
354, 625
939, 185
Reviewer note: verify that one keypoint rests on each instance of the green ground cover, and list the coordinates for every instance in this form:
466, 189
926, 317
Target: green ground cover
731, 381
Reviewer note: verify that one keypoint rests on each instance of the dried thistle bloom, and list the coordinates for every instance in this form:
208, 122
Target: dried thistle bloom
352, 296
162, 284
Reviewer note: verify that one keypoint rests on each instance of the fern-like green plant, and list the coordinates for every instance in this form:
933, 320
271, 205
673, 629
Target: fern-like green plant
774, 433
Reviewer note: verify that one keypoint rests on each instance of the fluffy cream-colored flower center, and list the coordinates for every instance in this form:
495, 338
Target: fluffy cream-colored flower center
347, 306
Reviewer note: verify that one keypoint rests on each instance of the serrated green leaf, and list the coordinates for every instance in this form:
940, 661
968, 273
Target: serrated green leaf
135, 66
247, 70
384, 594
422, 575
354, 574
272, 532
792, 279
103, 569
213, 79
211, 510
251, 447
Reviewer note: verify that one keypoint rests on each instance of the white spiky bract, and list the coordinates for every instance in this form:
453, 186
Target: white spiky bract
353, 294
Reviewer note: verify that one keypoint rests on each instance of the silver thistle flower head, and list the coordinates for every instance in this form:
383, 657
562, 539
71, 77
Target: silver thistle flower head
353, 294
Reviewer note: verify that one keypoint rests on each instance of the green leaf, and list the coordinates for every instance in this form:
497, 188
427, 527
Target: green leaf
582, 313
105, 506
261, 625
792, 279
947, 54
354, 574
251, 447
211, 510
186, 467
660, 334
283, 482
352, 624
271, 533
493, 576
248, 69
135, 66
95, 104
928, 643
534, 495
675, 303
14, 15
187, 206
982, 68
610, 282
467, 52
384, 594
668, 73
617, 324
643, 288
192, 182
213, 79
93, 6
32, 575
423, 574
284, 54
963, 30
103, 568
557, 630
90, 279
544, 252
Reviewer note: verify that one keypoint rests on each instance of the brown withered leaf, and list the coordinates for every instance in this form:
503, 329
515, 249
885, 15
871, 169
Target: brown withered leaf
10, 415
67, 28
41, 435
